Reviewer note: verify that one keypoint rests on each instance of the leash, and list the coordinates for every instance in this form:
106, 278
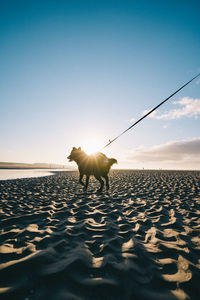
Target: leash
111, 141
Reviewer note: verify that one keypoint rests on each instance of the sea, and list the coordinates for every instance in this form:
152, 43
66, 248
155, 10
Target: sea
6, 174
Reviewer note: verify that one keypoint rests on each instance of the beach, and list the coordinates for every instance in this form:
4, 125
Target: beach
140, 240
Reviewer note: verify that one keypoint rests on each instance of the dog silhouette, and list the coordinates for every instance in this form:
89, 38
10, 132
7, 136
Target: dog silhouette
97, 164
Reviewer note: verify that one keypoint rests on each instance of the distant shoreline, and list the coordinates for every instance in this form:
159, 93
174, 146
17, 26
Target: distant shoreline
76, 169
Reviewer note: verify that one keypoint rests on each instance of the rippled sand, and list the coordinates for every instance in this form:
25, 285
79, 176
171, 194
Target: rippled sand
139, 241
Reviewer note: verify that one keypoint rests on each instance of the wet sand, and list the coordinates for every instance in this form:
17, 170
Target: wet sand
139, 241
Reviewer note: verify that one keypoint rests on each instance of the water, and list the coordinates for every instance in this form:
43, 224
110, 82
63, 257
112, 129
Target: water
6, 174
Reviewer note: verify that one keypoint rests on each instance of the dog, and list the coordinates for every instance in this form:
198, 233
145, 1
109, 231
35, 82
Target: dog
97, 165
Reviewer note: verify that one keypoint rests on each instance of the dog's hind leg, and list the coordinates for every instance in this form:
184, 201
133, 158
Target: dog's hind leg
101, 182
80, 179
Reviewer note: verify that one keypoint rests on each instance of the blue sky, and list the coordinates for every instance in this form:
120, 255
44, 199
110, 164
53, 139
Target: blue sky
72, 71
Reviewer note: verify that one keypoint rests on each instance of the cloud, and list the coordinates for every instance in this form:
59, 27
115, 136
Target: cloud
176, 154
189, 108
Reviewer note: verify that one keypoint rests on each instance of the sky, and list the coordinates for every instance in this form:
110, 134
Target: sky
76, 71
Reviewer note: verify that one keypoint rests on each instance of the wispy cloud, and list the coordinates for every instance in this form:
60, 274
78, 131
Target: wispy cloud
177, 154
189, 108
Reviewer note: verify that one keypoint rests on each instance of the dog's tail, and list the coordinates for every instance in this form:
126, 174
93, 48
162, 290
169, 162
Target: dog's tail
112, 161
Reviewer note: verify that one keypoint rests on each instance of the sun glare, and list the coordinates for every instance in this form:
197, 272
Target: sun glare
92, 146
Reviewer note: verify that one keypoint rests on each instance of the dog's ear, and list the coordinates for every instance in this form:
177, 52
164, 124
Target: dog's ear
74, 148
79, 148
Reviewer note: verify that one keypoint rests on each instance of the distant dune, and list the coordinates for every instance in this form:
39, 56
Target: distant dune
14, 165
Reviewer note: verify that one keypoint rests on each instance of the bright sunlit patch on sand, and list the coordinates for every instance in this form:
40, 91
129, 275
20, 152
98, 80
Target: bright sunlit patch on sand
128, 245
92, 146
97, 262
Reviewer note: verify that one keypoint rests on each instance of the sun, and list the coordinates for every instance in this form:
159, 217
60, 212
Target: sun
92, 146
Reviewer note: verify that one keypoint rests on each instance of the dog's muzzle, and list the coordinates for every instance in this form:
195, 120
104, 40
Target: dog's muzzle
69, 157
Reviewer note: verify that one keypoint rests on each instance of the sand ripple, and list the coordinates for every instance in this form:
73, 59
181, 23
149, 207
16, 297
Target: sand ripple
139, 241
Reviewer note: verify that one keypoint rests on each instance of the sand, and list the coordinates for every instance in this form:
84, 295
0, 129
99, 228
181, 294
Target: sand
139, 241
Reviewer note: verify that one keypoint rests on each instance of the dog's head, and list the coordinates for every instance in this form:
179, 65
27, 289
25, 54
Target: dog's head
74, 153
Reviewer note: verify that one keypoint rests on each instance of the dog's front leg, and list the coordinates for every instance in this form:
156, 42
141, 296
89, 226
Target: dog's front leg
101, 182
80, 179
87, 181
